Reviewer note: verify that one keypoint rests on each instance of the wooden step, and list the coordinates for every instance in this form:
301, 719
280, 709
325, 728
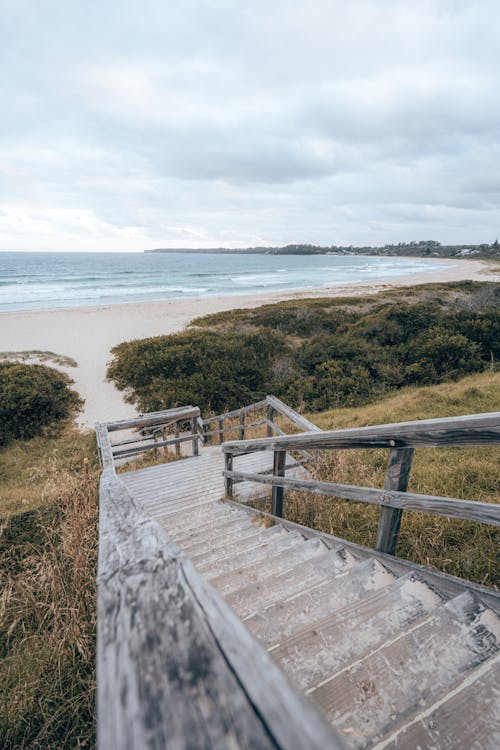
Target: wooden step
245, 540
191, 533
255, 597
366, 700
221, 538
280, 620
273, 539
466, 718
277, 562
320, 650
189, 520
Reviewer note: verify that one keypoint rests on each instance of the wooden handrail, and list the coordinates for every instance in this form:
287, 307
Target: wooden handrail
470, 510
473, 429
291, 414
109, 451
162, 418
401, 438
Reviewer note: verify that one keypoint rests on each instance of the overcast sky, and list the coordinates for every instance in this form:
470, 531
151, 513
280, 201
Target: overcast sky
198, 123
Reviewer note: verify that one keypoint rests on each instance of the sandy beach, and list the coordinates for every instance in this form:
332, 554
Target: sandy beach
87, 334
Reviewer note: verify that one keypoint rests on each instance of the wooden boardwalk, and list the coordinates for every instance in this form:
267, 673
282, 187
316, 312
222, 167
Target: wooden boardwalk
223, 626
419, 650
196, 481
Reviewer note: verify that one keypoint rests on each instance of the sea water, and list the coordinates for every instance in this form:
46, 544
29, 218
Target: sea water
42, 281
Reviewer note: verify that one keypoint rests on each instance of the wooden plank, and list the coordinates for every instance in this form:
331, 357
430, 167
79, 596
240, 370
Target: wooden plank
467, 717
473, 429
445, 506
104, 446
159, 444
153, 418
175, 667
396, 478
292, 415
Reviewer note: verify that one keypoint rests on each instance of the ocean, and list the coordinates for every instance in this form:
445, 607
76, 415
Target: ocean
43, 281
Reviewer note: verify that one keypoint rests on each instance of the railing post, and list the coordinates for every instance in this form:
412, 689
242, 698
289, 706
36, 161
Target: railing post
221, 428
177, 445
396, 478
194, 431
228, 462
270, 415
279, 462
242, 426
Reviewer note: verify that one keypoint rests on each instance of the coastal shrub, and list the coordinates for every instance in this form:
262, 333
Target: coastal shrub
317, 354
33, 397
207, 369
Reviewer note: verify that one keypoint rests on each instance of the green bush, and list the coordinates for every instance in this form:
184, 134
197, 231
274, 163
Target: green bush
317, 354
32, 398
206, 369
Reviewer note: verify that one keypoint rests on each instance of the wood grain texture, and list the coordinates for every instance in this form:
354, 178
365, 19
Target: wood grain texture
473, 429
175, 667
154, 418
396, 478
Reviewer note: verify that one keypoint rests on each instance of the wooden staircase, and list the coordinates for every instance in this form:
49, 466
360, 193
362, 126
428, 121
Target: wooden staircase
390, 657
376, 652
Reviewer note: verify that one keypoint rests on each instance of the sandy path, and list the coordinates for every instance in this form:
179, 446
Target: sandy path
88, 333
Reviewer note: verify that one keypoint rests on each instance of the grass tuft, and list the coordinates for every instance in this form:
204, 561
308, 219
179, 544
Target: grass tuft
48, 551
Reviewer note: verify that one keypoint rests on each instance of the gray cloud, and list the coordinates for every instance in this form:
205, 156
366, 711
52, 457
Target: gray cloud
209, 122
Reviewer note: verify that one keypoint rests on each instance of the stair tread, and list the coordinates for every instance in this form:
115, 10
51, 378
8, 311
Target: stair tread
319, 650
223, 523
279, 561
255, 597
214, 542
243, 542
273, 539
466, 718
196, 519
284, 618
408, 672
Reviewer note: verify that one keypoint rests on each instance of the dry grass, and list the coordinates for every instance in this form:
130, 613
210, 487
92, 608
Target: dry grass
47, 602
461, 548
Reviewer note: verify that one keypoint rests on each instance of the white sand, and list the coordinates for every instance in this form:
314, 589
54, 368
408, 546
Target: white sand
87, 334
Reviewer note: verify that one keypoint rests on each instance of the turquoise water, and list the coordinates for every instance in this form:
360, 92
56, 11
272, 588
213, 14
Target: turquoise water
41, 281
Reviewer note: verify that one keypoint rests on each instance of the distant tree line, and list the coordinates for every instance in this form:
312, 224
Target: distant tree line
420, 248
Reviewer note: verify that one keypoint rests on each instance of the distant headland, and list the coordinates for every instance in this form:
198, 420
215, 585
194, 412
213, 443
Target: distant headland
421, 248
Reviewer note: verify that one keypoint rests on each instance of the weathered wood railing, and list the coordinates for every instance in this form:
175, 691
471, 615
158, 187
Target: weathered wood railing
175, 666
272, 407
152, 431
401, 439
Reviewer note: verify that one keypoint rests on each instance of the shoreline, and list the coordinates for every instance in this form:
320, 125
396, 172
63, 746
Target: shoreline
87, 334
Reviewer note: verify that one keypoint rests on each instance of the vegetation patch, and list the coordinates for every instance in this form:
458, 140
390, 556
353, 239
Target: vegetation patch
48, 552
462, 548
317, 354
38, 357
32, 399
